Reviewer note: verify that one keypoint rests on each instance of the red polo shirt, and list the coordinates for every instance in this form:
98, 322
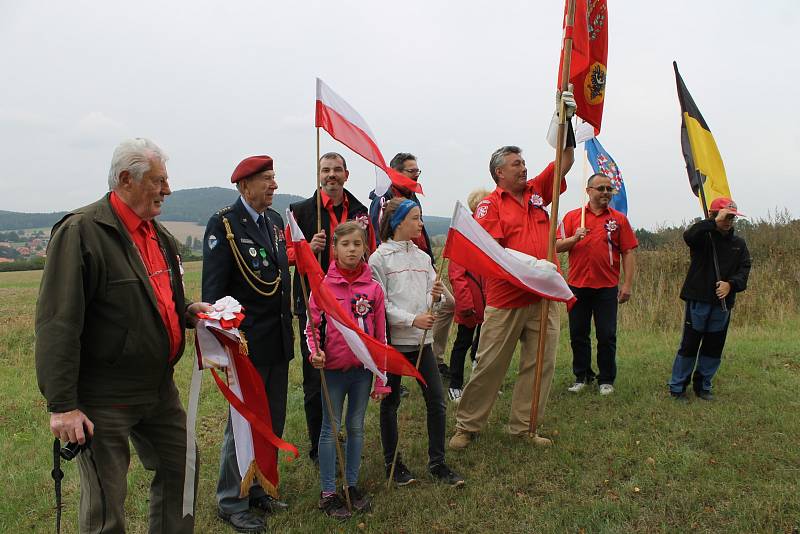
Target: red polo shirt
595, 260
144, 237
524, 227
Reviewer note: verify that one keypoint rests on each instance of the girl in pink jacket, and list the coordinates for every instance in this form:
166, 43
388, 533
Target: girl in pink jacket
350, 280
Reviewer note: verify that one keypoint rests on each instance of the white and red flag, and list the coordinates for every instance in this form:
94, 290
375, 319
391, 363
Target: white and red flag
378, 357
219, 344
470, 245
347, 126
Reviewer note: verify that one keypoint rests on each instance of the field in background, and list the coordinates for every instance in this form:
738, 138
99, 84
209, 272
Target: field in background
181, 230
631, 462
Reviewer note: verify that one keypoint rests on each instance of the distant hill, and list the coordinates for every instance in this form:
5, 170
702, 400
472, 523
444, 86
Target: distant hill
187, 205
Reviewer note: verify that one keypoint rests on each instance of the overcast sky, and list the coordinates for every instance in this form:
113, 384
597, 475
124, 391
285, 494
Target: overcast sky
213, 82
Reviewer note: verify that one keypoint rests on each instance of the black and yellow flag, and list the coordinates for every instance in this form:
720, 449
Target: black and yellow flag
703, 162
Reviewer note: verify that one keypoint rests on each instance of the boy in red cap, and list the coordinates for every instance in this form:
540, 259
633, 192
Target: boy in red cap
706, 319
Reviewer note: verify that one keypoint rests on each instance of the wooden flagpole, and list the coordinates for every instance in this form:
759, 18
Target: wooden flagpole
419, 359
551, 244
585, 179
319, 198
331, 416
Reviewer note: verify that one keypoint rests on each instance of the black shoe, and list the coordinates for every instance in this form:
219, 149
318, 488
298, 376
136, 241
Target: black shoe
246, 521
445, 475
361, 502
402, 475
268, 504
679, 397
403, 391
705, 395
334, 506
444, 370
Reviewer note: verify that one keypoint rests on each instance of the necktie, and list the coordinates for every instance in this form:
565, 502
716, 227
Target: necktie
262, 226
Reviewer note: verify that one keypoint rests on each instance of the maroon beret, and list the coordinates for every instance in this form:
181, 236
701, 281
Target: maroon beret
251, 165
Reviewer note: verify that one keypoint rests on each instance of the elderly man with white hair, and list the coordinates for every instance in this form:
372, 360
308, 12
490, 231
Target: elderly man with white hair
110, 323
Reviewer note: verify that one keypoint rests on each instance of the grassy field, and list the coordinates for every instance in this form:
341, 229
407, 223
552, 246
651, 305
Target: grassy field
632, 462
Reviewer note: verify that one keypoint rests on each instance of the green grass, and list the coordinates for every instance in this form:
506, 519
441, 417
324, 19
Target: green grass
631, 462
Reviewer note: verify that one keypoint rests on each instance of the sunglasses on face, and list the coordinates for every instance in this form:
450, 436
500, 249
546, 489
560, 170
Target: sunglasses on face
604, 189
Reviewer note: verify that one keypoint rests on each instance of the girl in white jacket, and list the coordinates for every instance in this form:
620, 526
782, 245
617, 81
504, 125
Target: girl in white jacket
410, 287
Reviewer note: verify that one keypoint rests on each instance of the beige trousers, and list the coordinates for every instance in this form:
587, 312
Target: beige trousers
441, 325
501, 330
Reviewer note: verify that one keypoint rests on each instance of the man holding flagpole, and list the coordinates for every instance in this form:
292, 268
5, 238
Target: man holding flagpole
244, 256
514, 215
337, 205
597, 249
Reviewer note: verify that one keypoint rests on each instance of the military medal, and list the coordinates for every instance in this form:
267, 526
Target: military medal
264, 261
252, 251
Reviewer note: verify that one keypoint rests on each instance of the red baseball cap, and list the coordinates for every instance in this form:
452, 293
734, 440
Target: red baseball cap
720, 203
250, 166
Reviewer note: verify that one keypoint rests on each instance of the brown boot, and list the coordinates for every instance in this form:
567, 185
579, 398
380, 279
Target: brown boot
461, 439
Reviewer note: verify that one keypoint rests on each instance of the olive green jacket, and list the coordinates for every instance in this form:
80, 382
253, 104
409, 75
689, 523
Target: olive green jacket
99, 336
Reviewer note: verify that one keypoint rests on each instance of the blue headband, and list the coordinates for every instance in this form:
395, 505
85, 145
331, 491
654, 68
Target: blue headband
401, 212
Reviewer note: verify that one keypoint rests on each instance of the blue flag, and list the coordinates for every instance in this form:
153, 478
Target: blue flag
603, 163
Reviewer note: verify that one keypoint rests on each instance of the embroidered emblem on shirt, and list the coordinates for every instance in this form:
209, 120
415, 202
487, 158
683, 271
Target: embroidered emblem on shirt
536, 200
482, 210
212, 241
611, 225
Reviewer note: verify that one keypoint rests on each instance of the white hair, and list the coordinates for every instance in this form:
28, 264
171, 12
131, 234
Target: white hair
134, 156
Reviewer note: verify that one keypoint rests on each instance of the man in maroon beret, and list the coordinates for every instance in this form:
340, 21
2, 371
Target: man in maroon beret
244, 256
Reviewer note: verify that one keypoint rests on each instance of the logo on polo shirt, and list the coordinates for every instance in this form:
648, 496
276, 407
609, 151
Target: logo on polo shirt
483, 209
536, 200
611, 225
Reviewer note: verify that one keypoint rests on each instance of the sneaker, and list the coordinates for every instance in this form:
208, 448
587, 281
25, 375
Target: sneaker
679, 397
606, 389
444, 370
402, 475
445, 475
461, 439
705, 395
454, 394
334, 506
245, 521
577, 387
360, 501
403, 391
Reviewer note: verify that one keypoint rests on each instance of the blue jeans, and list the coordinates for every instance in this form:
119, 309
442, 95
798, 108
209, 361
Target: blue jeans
699, 355
356, 384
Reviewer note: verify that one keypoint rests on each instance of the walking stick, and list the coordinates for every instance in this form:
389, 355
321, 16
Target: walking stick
331, 416
551, 243
419, 359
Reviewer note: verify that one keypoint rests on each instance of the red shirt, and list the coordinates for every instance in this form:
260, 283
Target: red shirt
524, 227
594, 261
144, 237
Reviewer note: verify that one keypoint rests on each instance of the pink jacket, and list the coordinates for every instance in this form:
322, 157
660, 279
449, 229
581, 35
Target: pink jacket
364, 299
468, 292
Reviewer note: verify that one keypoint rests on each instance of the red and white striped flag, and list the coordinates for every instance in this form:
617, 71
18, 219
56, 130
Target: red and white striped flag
469, 244
347, 126
376, 356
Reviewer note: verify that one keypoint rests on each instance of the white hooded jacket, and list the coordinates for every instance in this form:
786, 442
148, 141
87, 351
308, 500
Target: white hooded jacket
407, 277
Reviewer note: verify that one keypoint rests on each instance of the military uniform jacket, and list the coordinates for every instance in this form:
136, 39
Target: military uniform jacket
305, 212
267, 324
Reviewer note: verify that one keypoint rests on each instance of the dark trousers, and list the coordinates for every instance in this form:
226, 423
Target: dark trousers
466, 340
602, 304
276, 383
158, 433
312, 392
434, 404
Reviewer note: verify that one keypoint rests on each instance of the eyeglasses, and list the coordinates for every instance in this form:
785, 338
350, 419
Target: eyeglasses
605, 189
413, 172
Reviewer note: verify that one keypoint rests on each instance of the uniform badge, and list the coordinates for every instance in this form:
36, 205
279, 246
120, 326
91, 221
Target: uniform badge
536, 200
611, 225
245, 241
482, 210
252, 252
212, 241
